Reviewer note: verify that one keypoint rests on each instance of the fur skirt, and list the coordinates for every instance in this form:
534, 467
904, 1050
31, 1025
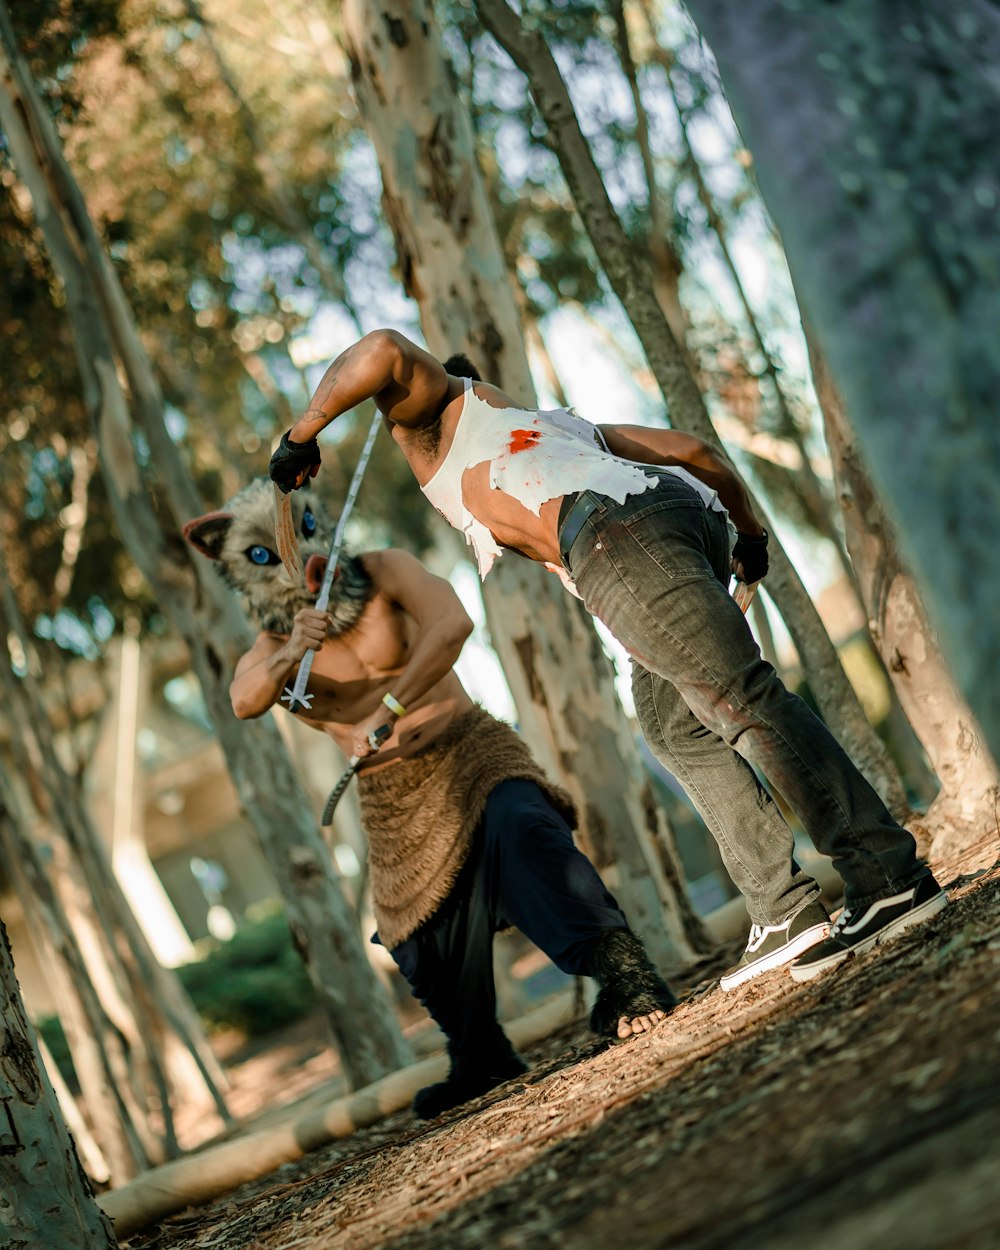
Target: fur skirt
420, 815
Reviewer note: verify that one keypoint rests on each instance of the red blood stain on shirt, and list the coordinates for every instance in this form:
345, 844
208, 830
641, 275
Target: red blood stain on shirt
521, 440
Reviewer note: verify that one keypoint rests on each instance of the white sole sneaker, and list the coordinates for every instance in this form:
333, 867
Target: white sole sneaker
802, 942
919, 914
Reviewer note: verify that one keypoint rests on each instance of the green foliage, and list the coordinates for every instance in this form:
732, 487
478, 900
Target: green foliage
255, 983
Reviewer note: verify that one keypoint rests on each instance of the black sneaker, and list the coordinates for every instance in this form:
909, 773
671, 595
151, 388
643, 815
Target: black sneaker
770, 946
857, 931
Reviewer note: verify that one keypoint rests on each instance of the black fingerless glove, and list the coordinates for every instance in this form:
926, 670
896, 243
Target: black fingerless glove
292, 463
752, 554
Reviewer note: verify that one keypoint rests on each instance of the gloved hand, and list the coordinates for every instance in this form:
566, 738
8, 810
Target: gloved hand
292, 463
750, 557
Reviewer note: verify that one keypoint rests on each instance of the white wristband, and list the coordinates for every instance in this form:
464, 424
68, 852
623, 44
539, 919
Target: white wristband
394, 705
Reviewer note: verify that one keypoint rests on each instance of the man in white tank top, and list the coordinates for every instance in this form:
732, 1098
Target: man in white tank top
634, 519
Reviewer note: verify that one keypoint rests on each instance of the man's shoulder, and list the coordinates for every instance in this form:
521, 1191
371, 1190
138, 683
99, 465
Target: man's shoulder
390, 562
399, 578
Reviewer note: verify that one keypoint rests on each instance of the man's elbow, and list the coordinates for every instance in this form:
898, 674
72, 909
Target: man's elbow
387, 345
243, 708
457, 632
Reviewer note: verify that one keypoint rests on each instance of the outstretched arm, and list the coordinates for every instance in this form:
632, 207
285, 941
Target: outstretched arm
709, 464
406, 382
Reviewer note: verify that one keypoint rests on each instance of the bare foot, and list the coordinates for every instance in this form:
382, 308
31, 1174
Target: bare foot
640, 1024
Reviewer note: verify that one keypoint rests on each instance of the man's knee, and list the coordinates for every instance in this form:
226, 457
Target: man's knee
744, 700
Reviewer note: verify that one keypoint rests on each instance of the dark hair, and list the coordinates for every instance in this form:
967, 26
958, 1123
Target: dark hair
460, 366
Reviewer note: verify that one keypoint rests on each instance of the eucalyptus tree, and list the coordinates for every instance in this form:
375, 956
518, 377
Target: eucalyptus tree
205, 614
452, 264
836, 697
47, 1198
963, 814
138, 1048
110, 1068
872, 139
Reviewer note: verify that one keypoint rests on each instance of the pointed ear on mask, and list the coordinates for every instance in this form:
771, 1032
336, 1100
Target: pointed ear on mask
208, 532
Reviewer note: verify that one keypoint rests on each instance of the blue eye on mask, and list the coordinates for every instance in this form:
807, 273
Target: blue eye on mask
261, 555
308, 524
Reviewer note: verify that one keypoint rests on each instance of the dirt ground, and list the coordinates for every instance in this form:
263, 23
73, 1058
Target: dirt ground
861, 1110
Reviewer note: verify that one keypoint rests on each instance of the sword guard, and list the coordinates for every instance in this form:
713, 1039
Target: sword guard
296, 704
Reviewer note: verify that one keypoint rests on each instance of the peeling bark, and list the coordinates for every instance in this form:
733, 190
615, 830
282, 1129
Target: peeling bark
452, 265
966, 809
47, 1198
838, 702
872, 128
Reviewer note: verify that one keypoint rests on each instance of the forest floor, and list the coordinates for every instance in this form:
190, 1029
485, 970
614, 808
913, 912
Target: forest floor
859, 1110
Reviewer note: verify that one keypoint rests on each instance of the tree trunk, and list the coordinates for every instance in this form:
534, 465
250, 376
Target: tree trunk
666, 262
117, 994
100, 1058
205, 614
965, 811
47, 1198
452, 265
91, 1155
839, 704
872, 132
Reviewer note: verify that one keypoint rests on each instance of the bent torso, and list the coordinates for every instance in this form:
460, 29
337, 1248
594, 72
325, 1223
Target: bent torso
512, 524
352, 672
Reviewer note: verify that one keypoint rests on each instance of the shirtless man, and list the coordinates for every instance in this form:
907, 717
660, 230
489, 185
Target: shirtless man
634, 520
466, 835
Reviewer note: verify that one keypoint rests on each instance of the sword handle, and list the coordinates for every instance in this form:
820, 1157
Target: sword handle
296, 697
743, 593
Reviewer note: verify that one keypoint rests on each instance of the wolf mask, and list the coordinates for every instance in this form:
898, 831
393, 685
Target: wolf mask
240, 538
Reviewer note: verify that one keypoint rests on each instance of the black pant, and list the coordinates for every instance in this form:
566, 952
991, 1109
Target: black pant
523, 870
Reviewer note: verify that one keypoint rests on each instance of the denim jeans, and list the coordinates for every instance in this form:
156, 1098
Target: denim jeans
655, 570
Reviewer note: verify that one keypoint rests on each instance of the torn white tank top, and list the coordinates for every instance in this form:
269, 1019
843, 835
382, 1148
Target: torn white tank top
533, 457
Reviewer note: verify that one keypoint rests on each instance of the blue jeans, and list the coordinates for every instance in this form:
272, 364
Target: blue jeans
655, 570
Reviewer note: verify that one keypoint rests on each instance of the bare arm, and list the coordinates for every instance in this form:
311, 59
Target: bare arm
407, 384
268, 667
442, 628
711, 465
443, 624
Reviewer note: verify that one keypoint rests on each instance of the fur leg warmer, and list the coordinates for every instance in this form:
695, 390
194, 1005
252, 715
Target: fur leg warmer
630, 985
